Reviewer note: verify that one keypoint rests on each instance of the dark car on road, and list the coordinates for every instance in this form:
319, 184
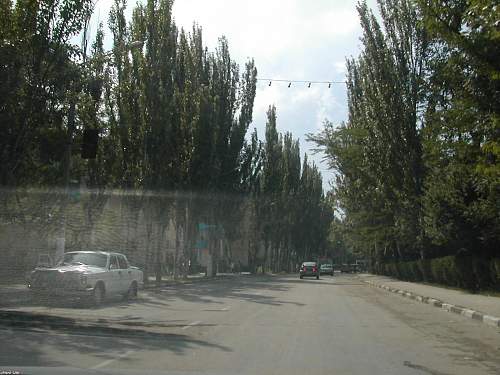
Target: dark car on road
349, 268
309, 269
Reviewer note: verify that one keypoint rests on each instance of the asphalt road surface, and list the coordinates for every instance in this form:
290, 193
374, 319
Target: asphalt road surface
265, 325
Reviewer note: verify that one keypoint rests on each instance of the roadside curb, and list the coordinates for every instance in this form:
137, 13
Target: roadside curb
469, 313
163, 284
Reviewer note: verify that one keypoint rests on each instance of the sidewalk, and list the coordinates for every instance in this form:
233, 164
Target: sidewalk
169, 280
458, 301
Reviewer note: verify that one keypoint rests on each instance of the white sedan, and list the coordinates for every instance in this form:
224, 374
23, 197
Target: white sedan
94, 274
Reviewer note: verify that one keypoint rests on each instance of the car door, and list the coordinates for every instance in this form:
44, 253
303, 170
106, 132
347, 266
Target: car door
115, 276
125, 273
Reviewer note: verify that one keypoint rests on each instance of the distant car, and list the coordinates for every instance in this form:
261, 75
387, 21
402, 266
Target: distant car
349, 268
326, 269
345, 268
309, 269
88, 274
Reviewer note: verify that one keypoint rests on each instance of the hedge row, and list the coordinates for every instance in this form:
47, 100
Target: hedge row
464, 272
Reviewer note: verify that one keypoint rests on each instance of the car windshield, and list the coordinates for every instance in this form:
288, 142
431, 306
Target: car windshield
309, 264
91, 259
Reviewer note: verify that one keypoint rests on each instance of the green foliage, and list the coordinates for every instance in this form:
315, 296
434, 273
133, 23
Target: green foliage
495, 272
416, 164
443, 271
292, 213
461, 134
481, 268
465, 268
36, 72
377, 154
424, 266
171, 115
410, 271
463, 271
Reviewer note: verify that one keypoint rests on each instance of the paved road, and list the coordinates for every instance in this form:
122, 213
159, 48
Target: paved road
269, 325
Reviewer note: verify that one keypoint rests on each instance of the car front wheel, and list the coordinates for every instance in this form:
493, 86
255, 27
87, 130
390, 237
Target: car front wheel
98, 295
132, 291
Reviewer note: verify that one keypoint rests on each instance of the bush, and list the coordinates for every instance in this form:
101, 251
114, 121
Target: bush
403, 271
495, 272
415, 270
463, 271
424, 266
443, 271
392, 270
409, 271
467, 278
376, 268
481, 268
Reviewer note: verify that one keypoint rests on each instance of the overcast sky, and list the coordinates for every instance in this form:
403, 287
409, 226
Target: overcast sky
289, 39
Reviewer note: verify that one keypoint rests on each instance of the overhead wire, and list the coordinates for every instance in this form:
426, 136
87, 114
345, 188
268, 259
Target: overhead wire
309, 83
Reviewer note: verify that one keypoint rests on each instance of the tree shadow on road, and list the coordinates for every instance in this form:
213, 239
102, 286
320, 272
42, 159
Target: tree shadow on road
248, 289
27, 300
251, 289
29, 348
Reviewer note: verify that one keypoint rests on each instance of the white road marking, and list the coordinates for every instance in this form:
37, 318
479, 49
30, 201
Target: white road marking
192, 324
109, 361
225, 308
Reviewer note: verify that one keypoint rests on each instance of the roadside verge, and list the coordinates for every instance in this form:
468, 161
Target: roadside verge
194, 279
184, 281
487, 313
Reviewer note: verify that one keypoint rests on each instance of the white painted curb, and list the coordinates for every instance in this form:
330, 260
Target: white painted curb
471, 314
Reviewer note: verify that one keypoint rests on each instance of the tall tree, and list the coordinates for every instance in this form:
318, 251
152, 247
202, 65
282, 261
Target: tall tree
377, 154
462, 126
38, 76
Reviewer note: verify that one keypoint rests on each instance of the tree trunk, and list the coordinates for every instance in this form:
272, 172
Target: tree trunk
158, 270
149, 230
